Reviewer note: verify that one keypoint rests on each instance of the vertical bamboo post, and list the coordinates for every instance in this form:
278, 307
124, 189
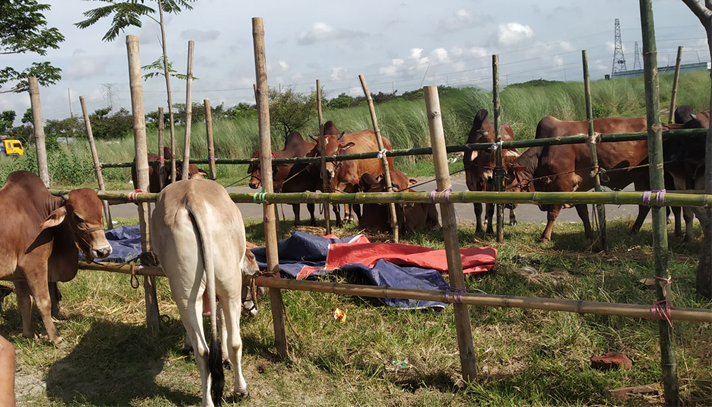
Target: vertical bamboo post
167, 76
139, 130
325, 182
498, 169
262, 94
592, 140
384, 157
42, 168
211, 143
161, 155
449, 221
673, 97
97, 164
185, 174
655, 157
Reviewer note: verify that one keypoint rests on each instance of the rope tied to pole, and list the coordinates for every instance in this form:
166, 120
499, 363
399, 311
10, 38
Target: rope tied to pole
382, 154
456, 295
445, 193
595, 138
659, 197
212, 158
661, 309
133, 195
259, 197
495, 146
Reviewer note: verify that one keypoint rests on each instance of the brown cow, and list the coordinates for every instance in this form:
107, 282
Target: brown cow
344, 176
290, 177
567, 168
40, 237
411, 216
154, 172
480, 164
685, 162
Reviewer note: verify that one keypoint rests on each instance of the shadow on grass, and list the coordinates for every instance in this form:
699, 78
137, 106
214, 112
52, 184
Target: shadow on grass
115, 364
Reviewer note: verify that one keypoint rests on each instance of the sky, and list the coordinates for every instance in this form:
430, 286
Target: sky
397, 45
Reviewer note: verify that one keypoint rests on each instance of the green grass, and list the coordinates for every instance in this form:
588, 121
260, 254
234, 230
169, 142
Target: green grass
524, 357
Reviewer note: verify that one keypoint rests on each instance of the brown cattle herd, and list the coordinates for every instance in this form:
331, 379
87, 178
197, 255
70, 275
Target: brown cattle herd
41, 232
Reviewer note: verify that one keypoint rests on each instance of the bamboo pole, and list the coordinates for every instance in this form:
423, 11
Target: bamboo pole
600, 209
655, 157
537, 198
211, 143
185, 173
324, 178
42, 168
161, 155
95, 159
139, 130
384, 157
485, 300
498, 169
167, 75
262, 94
449, 221
575, 139
673, 97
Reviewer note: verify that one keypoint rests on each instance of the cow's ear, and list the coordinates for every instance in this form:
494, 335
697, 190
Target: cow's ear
249, 264
412, 181
519, 168
55, 218
346, 146
314, 138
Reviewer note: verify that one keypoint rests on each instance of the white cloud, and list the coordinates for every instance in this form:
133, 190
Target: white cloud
84, 67
557, 61
323, 32
513, 33
462, 20
392, 69
200, 35
339, 74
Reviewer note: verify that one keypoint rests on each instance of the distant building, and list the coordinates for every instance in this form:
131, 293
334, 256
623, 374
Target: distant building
638, 73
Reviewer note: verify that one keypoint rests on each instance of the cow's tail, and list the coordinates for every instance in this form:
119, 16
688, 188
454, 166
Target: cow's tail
215, 365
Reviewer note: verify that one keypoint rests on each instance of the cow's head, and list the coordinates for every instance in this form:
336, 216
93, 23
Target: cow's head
517, 178
480, 164
250, 294
82, 211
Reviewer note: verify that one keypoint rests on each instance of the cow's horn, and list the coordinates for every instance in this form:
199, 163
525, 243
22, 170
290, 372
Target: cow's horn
313, 138
340, 135
694, 116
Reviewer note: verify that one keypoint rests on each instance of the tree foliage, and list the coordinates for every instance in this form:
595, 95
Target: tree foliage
290, 111
23, 29
111, 126
7, 118
128, 13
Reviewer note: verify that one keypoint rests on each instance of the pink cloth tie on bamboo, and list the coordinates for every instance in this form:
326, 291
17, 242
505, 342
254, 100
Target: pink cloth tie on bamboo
445, 192
133, 195
661, 309
659, 197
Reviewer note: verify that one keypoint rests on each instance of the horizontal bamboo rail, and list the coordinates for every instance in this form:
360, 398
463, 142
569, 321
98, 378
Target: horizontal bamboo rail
539, 198
575, 139
486, 300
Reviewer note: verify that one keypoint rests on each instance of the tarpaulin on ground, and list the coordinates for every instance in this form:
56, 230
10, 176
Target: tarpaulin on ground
125, 243
383, 264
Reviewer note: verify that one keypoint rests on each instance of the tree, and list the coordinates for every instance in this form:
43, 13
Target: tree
7, 118
23, 29
704, 269
128, 13
290, 111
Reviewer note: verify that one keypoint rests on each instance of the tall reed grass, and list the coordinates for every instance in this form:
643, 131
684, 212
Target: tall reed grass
403, 122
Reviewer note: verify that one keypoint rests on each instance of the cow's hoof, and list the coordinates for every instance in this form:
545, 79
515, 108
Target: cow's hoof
241, 394
490, 231
512, 223
544, 240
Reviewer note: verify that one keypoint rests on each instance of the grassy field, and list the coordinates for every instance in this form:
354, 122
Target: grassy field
525, 357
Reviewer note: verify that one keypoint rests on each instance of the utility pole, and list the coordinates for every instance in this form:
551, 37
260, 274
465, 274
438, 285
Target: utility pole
636, 61
618, 58
69, 96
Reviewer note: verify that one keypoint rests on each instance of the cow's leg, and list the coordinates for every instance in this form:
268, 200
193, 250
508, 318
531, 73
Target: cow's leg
348, 213
24, 303
512, 215
551, 214
583, 214
642, 210
191, 314
689, 216
232, 309
310, 208
337, 215
296, 210
39, 287
489, 214
478, 217
55, 296
357, 209
678, 219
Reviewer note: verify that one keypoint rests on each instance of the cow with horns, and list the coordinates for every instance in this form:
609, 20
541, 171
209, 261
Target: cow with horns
158, 172
568, 167
289, 177
480, 164
345, 175
40, 237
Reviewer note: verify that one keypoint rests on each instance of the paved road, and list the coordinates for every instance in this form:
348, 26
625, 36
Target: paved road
465, 212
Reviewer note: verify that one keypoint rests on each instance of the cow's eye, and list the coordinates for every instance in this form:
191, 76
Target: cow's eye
77, 219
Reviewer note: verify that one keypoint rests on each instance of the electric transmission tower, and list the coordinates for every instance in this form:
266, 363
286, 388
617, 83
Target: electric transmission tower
618, 58
636, 61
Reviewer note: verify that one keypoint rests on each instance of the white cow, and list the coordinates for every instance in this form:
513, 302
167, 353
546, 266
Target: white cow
198, 235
